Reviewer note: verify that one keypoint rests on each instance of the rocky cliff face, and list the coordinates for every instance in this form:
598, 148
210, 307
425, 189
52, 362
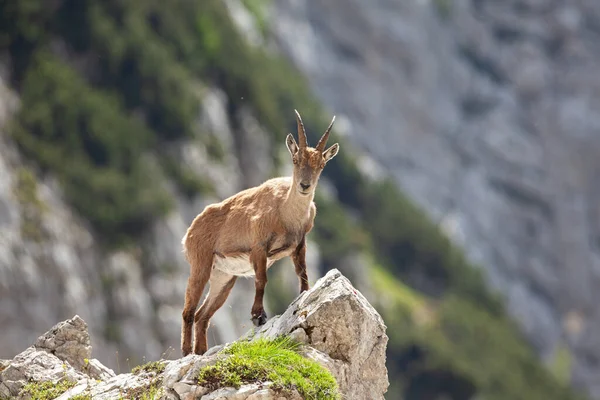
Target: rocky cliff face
337, 326
53, 266
486, 113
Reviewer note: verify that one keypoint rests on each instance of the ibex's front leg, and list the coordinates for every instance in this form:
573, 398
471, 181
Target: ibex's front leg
258, 258
299, 259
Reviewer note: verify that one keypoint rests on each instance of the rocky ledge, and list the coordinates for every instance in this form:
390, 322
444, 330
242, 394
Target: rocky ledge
333, 322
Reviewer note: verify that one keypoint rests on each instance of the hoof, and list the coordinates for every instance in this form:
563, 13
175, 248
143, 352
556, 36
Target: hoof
259, 320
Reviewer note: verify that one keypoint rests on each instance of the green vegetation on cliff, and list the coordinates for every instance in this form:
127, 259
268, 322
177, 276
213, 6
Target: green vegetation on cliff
105, 86
270, 360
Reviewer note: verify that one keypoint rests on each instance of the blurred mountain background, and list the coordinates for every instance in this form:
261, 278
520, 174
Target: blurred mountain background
464, 203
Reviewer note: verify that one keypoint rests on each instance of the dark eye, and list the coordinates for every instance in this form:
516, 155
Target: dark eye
295, 160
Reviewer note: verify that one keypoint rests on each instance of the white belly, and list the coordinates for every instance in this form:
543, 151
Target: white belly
238, 266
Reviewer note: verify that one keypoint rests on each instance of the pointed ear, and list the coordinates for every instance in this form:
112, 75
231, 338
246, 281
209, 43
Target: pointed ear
291, 144
331, 152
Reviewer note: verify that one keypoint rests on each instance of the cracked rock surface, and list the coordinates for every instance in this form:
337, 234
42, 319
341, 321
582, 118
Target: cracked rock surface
338, 326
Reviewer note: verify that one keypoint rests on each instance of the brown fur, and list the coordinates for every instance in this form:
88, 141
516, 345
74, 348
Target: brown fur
264, 224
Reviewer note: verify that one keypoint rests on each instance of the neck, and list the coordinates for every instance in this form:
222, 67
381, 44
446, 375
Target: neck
296, 204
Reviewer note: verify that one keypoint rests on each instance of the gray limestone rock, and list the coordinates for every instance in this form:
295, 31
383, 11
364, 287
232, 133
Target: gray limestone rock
339, 328
345, 333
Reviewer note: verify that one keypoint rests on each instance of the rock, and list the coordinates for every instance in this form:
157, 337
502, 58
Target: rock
122, 385
68, 340
250, 392
4, 364
342, 331
345, 330
37, 366
95, 369
80, 389
64, 352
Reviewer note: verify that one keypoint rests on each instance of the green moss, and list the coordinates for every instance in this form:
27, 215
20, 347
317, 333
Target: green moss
152, 366
275, 360
46, 390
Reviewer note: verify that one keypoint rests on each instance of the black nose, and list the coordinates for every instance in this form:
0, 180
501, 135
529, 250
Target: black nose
304, 186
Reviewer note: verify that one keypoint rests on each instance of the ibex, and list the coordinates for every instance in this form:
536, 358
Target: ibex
246, 233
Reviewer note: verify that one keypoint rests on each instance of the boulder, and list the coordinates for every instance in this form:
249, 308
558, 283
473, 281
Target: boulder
343, 331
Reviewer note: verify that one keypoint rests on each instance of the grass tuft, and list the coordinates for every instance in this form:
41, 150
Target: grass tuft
152, 366
275, 360
47, 390
152, 392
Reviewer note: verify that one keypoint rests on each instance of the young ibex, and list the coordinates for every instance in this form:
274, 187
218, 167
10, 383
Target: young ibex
245, 234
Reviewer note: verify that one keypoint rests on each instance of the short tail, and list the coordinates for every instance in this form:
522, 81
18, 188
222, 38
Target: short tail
184, 244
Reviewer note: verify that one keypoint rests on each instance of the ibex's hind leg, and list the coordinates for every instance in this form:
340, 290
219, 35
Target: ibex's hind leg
220, 287
199, 274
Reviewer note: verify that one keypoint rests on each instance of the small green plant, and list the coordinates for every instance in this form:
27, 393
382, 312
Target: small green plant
152, 392
275, 360
46, 390
152, 366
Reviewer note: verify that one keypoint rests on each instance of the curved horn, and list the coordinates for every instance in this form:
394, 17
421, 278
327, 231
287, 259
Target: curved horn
323, 140
301, 131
